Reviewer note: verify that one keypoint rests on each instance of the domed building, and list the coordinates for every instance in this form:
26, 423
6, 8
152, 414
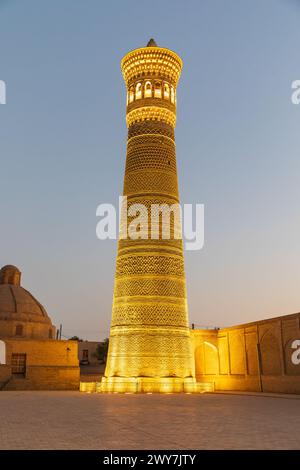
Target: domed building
30, 356
21, 314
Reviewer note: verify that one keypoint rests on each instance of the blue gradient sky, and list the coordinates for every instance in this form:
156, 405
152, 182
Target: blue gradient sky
63, 144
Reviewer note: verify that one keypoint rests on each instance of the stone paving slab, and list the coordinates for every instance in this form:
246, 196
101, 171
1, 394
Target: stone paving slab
70, 420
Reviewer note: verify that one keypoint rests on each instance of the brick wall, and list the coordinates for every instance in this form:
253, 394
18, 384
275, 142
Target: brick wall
50, 364
257, 356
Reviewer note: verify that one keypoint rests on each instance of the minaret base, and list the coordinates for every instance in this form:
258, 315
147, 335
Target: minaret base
148, 385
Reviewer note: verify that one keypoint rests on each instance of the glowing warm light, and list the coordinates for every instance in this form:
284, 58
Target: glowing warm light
148, 89
138, 91
172, 95
157, 90
87, 387
150, 345
148, 386
131, 94
166, 91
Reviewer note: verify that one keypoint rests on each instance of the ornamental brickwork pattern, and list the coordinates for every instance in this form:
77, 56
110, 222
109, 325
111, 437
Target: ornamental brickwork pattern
149, 331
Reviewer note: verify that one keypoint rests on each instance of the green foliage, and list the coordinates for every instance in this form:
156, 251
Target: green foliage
76, 338
102, 349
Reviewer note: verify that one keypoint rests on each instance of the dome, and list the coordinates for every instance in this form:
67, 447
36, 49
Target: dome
20, 313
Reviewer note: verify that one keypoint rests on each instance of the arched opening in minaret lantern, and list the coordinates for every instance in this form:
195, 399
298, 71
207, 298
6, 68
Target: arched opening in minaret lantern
166, 91
131, 94
172, 95
148, 89
138, 91
157, 90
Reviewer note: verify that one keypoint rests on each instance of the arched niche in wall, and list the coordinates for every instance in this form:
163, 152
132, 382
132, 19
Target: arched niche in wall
237, 352
270, 353
211, 359
206, 359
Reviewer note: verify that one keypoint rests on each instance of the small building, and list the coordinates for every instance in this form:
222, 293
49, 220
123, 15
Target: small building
87, 352
30, 357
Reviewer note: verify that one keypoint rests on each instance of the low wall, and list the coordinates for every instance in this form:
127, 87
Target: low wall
49, 365
46, 378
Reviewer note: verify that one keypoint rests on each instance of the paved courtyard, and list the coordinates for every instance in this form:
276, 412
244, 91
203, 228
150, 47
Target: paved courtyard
70, 420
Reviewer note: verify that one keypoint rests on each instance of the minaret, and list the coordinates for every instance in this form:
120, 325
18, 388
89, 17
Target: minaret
149, 348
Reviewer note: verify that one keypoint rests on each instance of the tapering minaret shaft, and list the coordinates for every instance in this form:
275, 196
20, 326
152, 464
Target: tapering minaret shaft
149, 339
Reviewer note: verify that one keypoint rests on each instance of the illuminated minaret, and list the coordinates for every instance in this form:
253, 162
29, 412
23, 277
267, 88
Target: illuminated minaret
150, 347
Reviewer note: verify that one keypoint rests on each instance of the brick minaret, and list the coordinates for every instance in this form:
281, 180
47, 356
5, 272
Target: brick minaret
150, 339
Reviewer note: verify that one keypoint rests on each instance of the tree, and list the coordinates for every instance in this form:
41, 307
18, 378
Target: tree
101, 351
75, 338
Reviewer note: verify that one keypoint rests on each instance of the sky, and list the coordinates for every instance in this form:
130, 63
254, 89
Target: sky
63, 148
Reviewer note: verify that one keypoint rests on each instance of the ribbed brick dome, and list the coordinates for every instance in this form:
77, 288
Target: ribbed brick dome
20, 312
